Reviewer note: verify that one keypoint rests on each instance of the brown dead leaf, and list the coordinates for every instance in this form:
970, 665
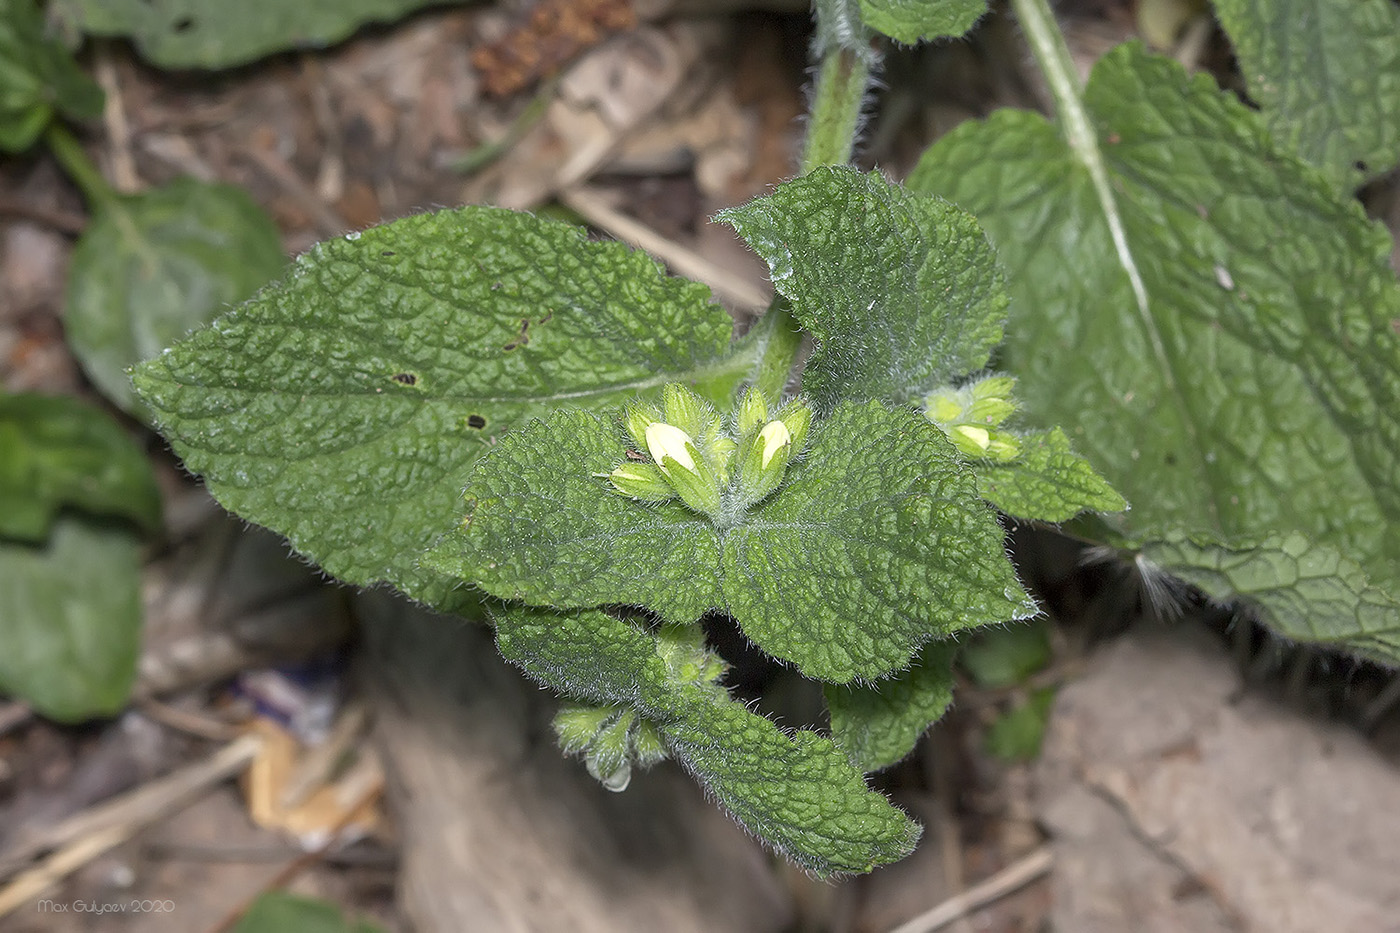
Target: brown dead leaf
555, 32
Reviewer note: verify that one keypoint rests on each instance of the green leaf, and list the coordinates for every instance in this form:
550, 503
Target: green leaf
1327, 75
152, 267
1005, 657
70, 618
911, 21
876, 543
877, 724
1230, 355
57, 452
216, 34
900, 290
37, 77
280, 912
1018, 733
1048, 482
345, 406
794, 790
1306, 590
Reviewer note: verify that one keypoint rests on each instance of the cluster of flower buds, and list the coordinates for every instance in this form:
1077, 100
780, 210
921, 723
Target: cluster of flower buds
972, 415
614, 739
714, 468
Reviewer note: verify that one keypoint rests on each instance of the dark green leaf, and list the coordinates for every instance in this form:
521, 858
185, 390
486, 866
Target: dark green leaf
1327, 75
912, 21
345, 406
1004, 657
37, 77
1048, 482
280, 912
879, 723
154, 266
216, 34
900, 290
1233, 360
70, 618
1018, 733
794, 790
57, 452
876, 543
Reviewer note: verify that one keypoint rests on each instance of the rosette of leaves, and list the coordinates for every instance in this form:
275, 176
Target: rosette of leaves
497, 350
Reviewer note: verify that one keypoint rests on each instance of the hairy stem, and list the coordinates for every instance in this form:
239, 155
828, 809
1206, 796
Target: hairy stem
1052, 55
836, 107
779, 337
79, 167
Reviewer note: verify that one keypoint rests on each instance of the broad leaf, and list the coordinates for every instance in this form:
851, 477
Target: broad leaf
877, 542
1048, 482
70, 618
794, 790
900, 290
56, 452
878, 724
38, 76
219, 34
1327, 75
1311, 592
912, 21
1231, 355
345, 406
154, 266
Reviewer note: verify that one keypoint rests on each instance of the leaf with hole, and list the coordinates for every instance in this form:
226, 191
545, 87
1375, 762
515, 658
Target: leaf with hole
345, 405
1326, 74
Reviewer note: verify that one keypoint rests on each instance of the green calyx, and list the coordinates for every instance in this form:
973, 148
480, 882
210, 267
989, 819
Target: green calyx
613, 741
972, 415
718, 467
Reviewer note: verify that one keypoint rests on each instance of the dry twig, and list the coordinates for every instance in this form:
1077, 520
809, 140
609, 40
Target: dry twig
595, 209
87, 835
1014, 876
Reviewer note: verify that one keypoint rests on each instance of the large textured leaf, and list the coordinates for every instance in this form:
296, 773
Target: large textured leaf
154, 266
900, 290
877, 542
345, 406
38, 76
913, 21
794, 790
1327, 75
878, 724
219, 34
70, 617
56, 452
1229, 351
